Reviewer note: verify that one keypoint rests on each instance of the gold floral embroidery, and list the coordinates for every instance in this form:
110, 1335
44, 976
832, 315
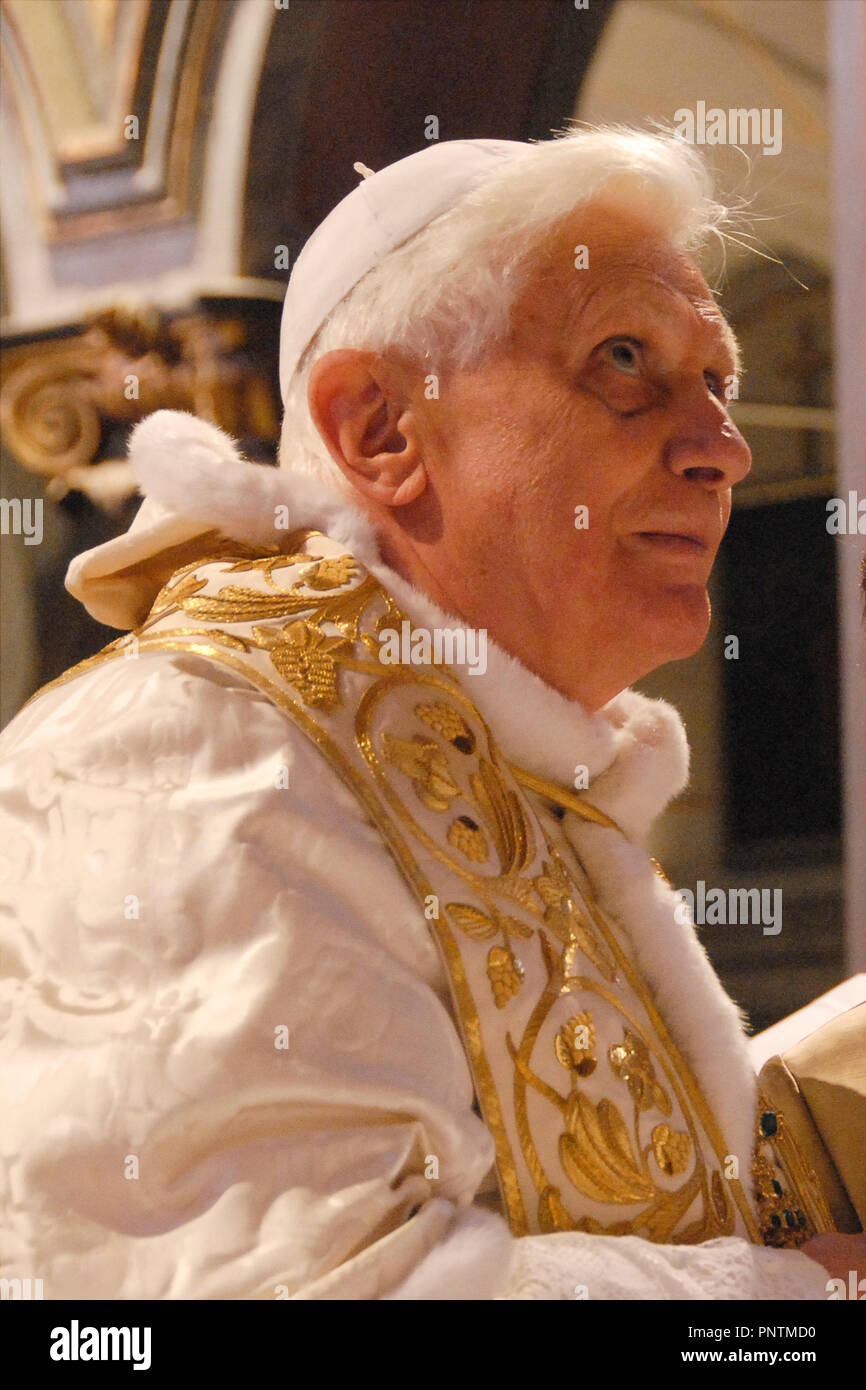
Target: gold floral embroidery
600, 1157
504, 971
331, 573
597, 1153
506, 974
267, 564
632, 1063
575, 1045
304, 657
481, 927
552, 1215
465, 835
595, 1144
447, 722
173, 595
504, 818
672, 1149
566, 922
424, 764
237, 603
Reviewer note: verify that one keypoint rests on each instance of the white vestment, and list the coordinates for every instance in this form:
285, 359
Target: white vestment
229, 1048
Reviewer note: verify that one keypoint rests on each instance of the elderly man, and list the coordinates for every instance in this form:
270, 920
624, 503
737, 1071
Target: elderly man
334, 965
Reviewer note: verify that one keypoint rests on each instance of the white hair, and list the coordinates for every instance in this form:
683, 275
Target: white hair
445, 295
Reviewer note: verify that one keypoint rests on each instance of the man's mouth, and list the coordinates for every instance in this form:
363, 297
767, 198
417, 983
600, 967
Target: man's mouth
676, 542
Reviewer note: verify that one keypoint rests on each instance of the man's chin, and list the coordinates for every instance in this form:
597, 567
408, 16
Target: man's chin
680, 622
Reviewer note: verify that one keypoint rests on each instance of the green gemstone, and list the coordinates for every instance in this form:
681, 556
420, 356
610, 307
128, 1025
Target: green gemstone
769, 1123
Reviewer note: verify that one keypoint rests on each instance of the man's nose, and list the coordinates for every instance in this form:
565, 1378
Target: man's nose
706, 445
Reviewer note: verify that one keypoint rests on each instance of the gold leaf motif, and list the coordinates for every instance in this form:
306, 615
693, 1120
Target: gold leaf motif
632, 1063
345, 609
473, 922
330, 573
524, 839
425, 764
481, 927
566, 921
174, 594
267, 564
523, 893
552, 884
597, 1155
513, 927
581, 938
237, 604
505, 973
503, 815
466, 836
672, 1150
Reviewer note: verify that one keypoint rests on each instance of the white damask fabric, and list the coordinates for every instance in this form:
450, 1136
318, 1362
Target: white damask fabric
228, 1050
168, 904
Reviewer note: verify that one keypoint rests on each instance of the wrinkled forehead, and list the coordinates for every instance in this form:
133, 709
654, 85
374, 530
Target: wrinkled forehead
605, 257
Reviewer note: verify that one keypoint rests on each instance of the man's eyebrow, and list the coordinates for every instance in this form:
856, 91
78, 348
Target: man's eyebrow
609, 298
728, 335
733, 346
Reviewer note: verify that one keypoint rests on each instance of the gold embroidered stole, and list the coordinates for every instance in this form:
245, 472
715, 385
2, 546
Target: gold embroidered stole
599, 1124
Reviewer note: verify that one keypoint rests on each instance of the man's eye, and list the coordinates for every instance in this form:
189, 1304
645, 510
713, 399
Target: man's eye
716, 385
625, 354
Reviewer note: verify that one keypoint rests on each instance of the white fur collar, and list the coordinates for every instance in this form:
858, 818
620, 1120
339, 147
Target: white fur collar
195, 479
634, 749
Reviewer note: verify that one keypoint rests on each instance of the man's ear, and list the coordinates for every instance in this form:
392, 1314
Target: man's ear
360, 407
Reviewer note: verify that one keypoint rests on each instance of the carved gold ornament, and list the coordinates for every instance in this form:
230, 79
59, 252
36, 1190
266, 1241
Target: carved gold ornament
60, 397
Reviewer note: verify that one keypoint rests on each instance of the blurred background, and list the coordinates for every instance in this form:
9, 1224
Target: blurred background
164, 162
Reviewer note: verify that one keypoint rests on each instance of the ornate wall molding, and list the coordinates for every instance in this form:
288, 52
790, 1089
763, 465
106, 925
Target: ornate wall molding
63, 397
85, 207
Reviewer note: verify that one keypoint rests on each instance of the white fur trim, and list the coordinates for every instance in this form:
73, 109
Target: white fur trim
195, 469
635, 748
